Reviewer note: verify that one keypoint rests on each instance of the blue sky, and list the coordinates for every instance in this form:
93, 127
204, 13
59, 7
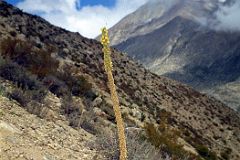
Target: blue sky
84, 16
14, 2
107, 3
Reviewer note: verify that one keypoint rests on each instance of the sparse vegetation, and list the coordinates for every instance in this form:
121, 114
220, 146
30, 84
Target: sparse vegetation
138, 149
34, 71
18, 75
38, 61
77, 84
73, 110
166, 140
23, 65
2, 91
56, 86
206, 153
27, 87
22, 98
226, 154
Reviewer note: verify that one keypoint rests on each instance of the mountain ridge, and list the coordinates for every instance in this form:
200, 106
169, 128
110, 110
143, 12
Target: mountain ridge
187, 49
156, 14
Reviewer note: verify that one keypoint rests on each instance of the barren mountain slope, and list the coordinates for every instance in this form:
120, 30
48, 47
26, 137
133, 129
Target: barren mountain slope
192, 54
157, 13
228, 93
144, 96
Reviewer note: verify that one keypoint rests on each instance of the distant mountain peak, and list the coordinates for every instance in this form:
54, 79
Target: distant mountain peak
155, 14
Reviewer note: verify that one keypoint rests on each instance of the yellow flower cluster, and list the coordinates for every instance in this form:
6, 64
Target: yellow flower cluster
105, 40
106, 50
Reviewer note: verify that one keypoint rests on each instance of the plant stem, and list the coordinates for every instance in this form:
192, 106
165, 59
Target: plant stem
114, 96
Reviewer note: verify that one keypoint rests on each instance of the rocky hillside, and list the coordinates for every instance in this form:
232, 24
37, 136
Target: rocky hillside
228, 93
184, 49
26, 136
192, 54
62, 109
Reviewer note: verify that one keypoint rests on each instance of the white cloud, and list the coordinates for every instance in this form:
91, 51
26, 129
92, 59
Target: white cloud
229, 17
87, 21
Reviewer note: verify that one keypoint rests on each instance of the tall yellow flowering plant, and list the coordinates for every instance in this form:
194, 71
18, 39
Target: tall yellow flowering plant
108, 68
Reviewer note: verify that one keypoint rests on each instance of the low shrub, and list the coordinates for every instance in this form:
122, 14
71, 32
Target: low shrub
38, 61
2, 91
19, 76
80, 85
165, 140
41, 63
206, 153
26, 96
29, 87
77, 84
107, 145
14, 48
38, 95
56, 86
72, 110
138, 148
19, 96
89, 126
